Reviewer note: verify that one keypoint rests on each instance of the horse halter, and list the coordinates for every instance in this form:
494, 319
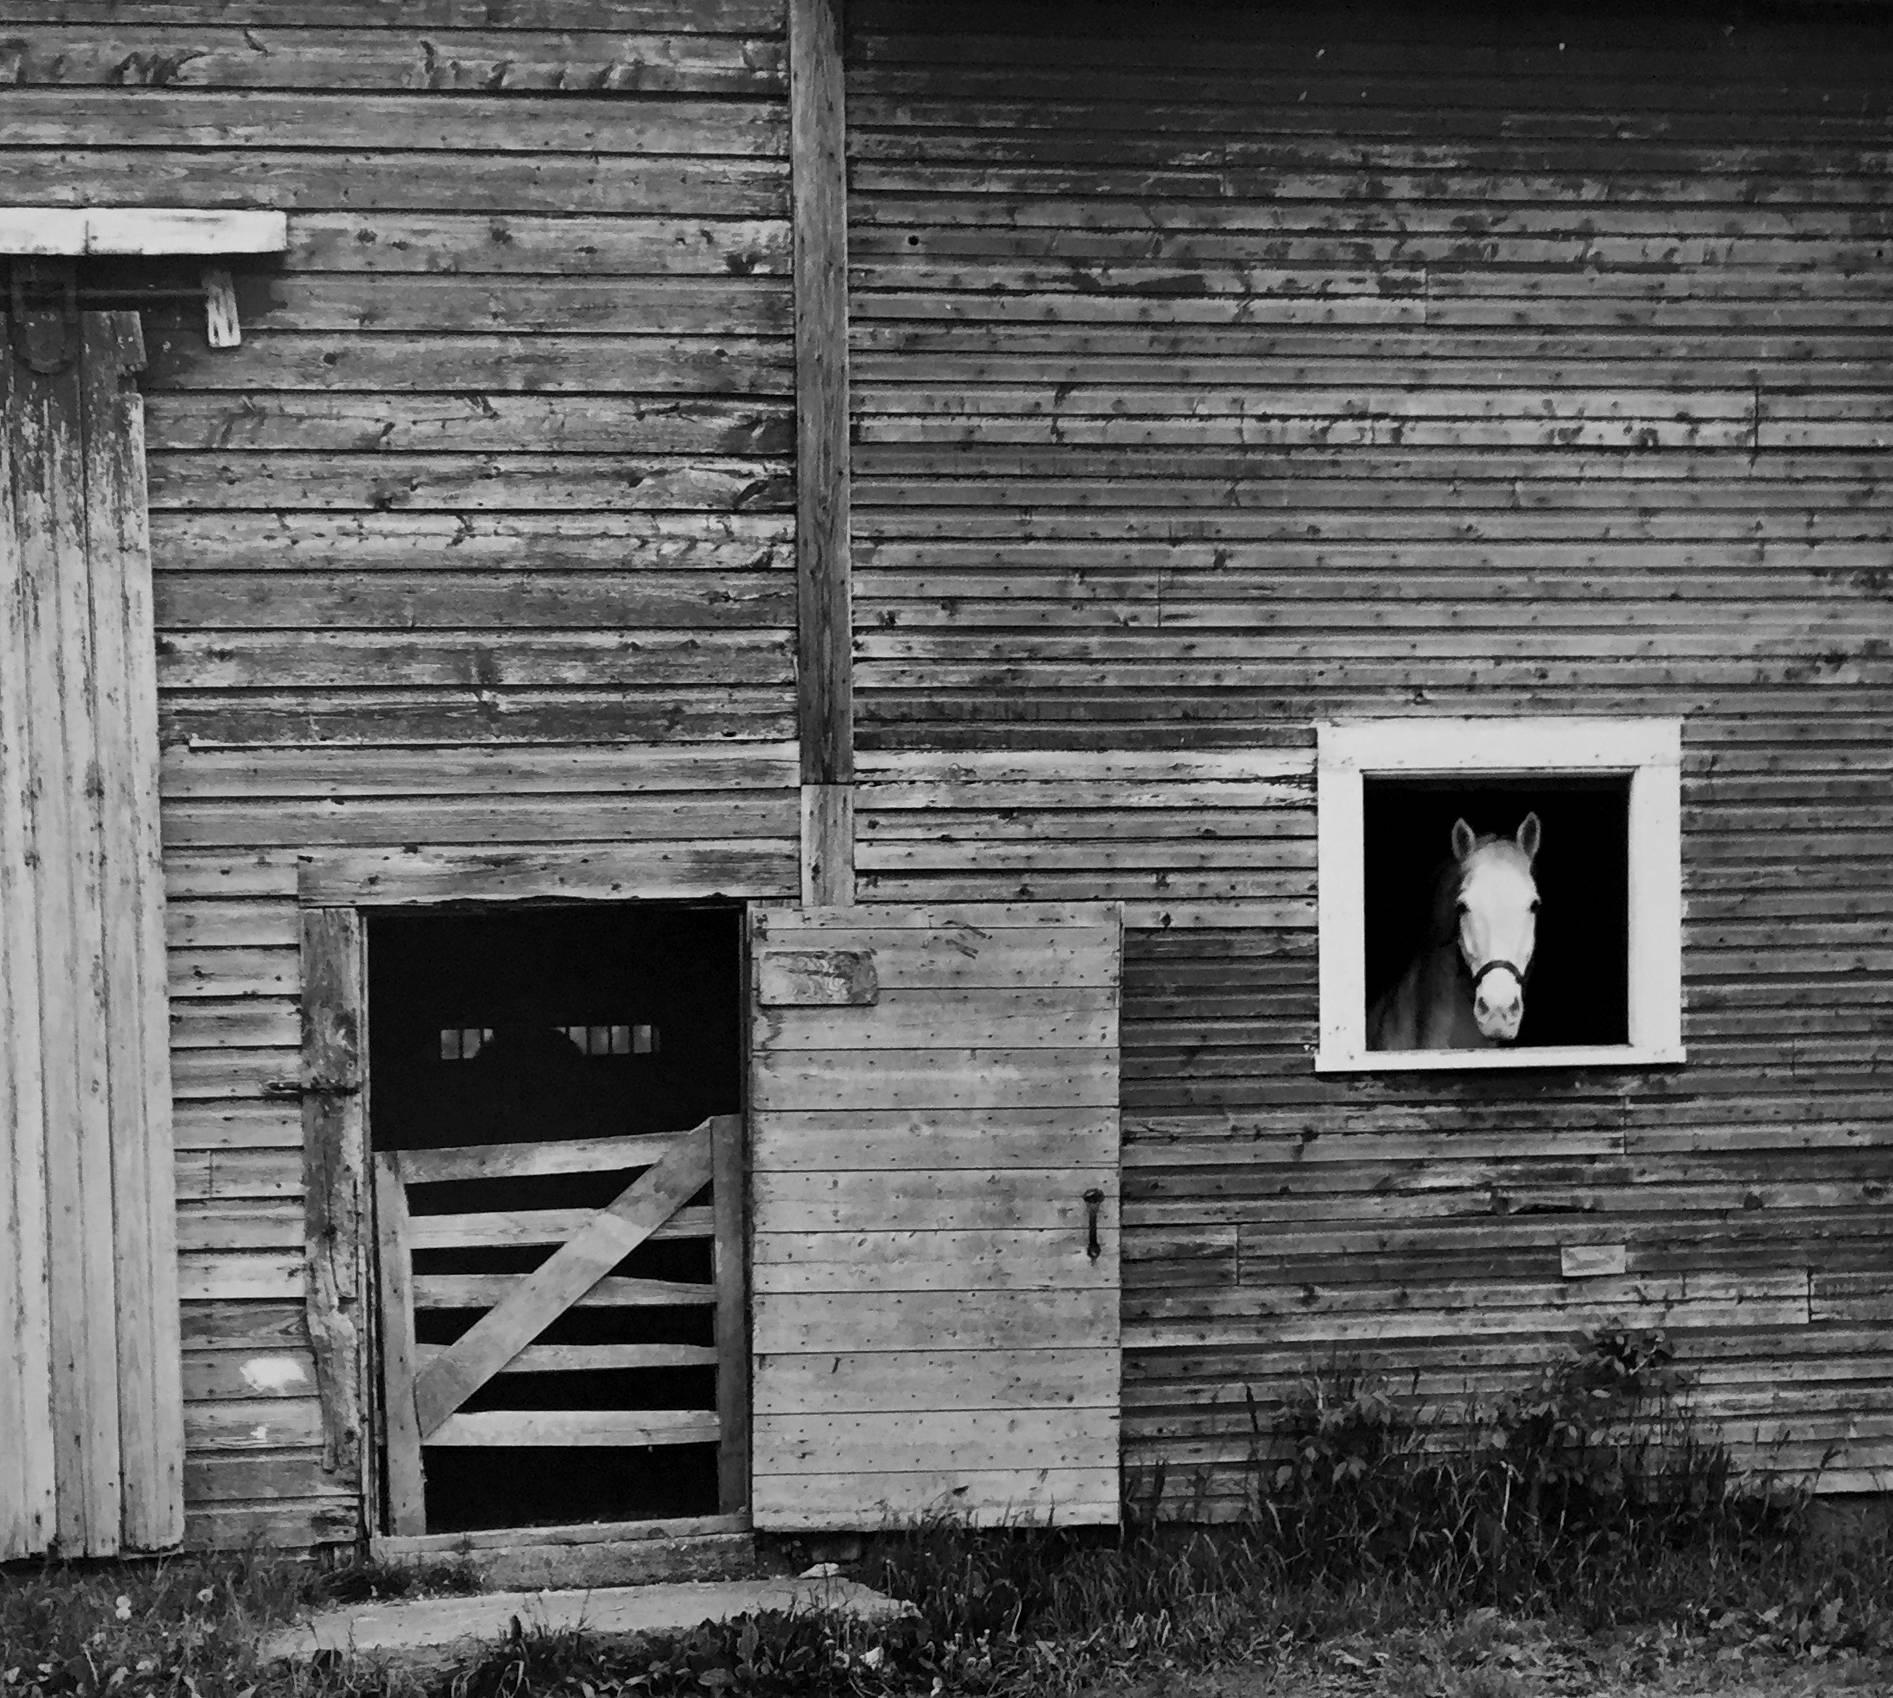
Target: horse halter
1492, 966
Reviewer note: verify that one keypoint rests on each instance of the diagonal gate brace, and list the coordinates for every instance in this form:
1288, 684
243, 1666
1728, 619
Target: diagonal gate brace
562, 1279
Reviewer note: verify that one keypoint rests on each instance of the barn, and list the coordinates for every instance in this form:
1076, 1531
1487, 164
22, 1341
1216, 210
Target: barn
717, 720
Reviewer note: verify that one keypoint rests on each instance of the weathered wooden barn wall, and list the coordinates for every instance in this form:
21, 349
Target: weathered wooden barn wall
481, 539
1221, 368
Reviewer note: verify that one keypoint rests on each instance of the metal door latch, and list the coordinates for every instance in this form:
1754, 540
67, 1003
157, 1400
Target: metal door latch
1094, 1200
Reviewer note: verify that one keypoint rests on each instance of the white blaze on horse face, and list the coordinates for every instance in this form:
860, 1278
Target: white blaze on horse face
1498, 923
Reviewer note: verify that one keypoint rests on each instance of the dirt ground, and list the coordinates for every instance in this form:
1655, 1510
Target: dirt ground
1504, 1659
1848, 1680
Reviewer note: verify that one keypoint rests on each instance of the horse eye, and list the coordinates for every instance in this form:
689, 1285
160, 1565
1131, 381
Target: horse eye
1535, 905
1461, 907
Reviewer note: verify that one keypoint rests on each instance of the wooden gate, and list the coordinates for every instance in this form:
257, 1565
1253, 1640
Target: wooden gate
426, 1387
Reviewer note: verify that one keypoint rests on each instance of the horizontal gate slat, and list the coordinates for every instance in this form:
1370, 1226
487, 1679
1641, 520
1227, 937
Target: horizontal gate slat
530, 1161
485, 1291
532, 1226
577, 1427
594, 1358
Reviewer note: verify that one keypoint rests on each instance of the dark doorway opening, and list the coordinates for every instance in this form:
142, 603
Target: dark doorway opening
1579, 986
539, 1028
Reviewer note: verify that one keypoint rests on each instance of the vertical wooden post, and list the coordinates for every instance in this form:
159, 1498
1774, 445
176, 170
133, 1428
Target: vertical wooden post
828, 845
825, 670
732, 1313
335, 1139
407, 1501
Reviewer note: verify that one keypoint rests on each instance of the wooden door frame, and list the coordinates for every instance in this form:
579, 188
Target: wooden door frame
337, 893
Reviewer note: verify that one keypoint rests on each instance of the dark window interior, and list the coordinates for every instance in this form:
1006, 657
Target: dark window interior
500, 1028
1578, 991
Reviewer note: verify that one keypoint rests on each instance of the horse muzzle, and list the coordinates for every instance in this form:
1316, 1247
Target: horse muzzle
1498, 1007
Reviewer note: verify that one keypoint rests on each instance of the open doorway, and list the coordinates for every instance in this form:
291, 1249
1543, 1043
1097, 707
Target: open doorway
531, 1073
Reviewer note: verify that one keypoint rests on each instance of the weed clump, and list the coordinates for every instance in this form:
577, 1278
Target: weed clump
1578, 1491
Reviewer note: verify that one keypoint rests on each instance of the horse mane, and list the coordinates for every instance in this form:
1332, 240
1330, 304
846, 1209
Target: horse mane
1448, 880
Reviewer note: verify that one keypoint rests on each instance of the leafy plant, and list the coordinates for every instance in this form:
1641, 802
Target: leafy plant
1569, 1489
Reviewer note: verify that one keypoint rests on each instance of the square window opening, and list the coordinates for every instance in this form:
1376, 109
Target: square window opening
1576, 988
1499, 893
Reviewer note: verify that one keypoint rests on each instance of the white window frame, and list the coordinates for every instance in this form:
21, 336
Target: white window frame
1646, 751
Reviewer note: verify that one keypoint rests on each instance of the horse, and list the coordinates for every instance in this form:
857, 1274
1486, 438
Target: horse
1465, 988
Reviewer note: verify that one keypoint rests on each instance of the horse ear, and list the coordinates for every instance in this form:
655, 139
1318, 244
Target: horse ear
1530, 832
1463, 840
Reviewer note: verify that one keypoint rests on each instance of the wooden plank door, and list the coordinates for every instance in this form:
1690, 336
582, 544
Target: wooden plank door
426, 1386
934, 1196
91, 1409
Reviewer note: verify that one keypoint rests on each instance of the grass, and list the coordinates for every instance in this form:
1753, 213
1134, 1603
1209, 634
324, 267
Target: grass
187, 1626
184, 1626
1581, 1535
1051, 1613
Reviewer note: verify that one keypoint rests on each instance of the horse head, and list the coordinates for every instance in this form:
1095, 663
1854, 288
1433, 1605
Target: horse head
1497, 918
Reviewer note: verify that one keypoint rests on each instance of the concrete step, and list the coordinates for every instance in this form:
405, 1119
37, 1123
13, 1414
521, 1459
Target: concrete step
445, 1631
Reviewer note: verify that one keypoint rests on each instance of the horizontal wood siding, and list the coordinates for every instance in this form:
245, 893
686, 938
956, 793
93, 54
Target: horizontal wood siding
1180, 839
1218, 372
480, 543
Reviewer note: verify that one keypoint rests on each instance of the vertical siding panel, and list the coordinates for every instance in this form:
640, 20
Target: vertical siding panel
92, 1388
26, 1461
137, 1028
72, 1012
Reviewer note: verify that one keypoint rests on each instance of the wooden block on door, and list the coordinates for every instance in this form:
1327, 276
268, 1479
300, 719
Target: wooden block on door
818, 978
